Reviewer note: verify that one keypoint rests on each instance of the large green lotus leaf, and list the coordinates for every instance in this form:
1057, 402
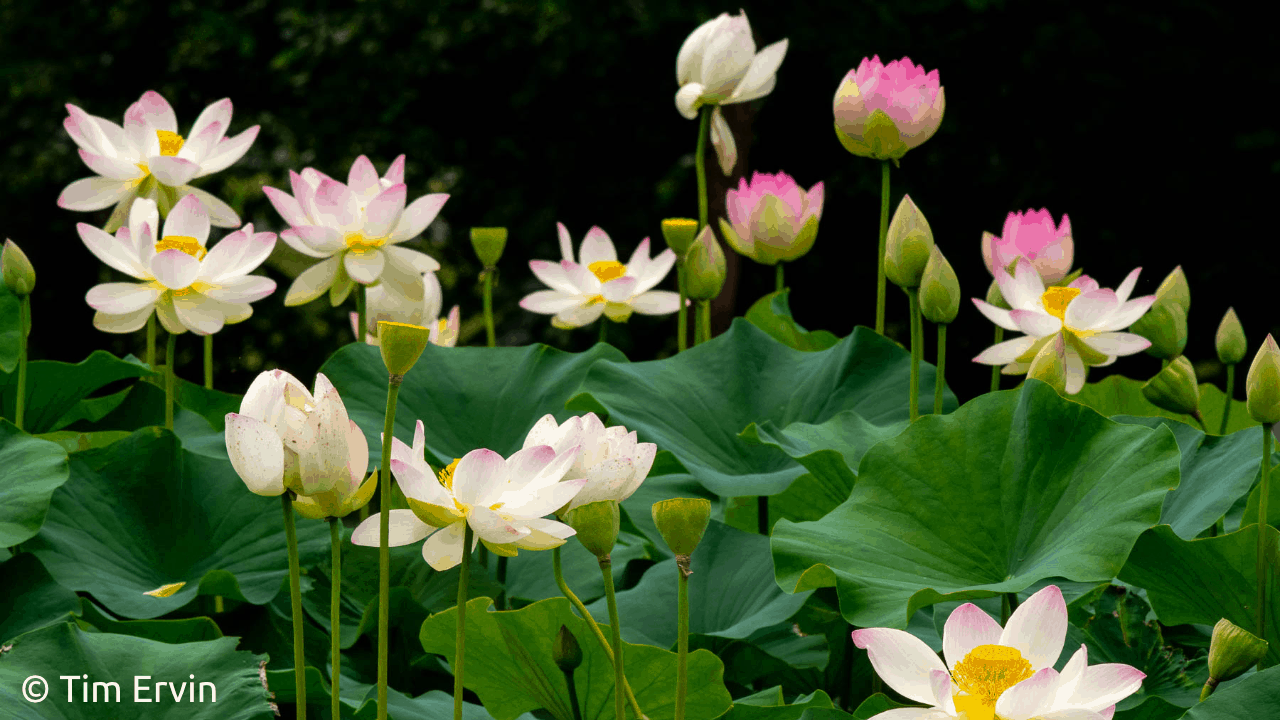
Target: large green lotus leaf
145, 512
1216, 470
1155, 708
55, 388
696, 403
875, 705
173, 631
776, 654
772, 314
667, 479
1119, 395
1014, 487
466, 397
9, 337
1203, 581
1255, 696
726, 559
73, 441
510, 667
199, 415
1254, 502
771, 705
136, 665
31, 598
433, 705
33, 470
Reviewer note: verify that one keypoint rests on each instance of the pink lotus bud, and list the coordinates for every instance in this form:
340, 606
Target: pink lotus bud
773, 219
1031, 234
882, 111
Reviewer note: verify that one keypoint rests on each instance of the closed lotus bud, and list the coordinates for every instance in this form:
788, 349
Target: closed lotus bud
1165, 325
995, 298
596, 525
19, 275
704, 267
884, 110
488, 244
1230, 342
565, 651
682, 521
1174, 388
939, 289
1262, 386
1050, 365
679, 234
401, 345
1174, 288
1232, 651
908, 245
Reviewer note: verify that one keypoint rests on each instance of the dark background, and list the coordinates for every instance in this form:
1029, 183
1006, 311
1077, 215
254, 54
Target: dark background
1149, 127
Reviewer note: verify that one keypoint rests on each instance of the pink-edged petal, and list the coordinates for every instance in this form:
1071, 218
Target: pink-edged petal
112, 168
86, 133
1006, 352
1126, 287
639, 262
254, 250
198, 314
1089, 310
1084, 284
189, 219
395, 173
112, 251
227, 151
477, 474
320, 239
1025, 699
547, 499
157, 112
365, 267
217, 112
619, 289
553, 275
1117, 343
94, 193
247, 289
420, 486
403, 528
1070, 677
172, 170
967, 627
415, 261
1035, 323
291, 238
417, 216
578, 316
121, 298
220, 214
552, 471
175, 269
596, 247
337, 207
198, 145
550, 302
313, 282
1024, 289
999, 316
655, 270
491, 527
1038, 628
287, 206
655, 302
525, 464
544, 534
1127, 314
544, 432
256, 453
941, 683
761, 74
566, 243
384, 209
1107, 684
902, 660
363, 179
443, 550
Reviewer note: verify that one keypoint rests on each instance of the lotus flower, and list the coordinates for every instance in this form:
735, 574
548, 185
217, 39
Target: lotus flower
381, 305
611, 460
189, 287
882, 111
600, 284
356, 228
1032, 235
773, 219
285, 438
502, 500
148, 158
993, 672
718, 65
1087, 316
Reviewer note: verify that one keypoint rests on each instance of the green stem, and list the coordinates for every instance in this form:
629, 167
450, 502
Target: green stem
777, 279
884, 234
502, 580
619, 678
699, 165
208, 362
704, 312
1209, 686
151, 342
219, 606
460, 646
762, 514
362, 328
24, 327
940, 381
335, 601
604, 328
917, 350
1004, 610
682, 318
484, 557
295, 595
995, 369
1164, 363
573, 694
169, 347
1264, 492
682, 647
1226, 406
384, 550
490, 334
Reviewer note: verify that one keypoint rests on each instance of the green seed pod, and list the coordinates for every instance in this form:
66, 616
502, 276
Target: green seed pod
682, 521
1262, 386
401, 345
679, 234
565, 651
1230, 341
939, 289
1232, 651
1174, 388
596, 525
908, 245
488, 244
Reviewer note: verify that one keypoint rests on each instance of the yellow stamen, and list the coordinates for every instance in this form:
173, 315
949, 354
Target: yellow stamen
985, 673
170, 142
595, 299
146, 173
442, 326
972, 707
446, 475
607, 270
359, 243
165, 590
185, 243
1056, 299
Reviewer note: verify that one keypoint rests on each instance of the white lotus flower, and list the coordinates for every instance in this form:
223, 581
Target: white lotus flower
285, 438
580, 293
356, 228
992, 673
381, 305
504, 501
187, 286
718, 65
1086, 315
611, 460
148, 158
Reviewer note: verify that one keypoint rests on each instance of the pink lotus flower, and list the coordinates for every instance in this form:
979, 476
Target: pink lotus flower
882, 111
773, 219
1031, 235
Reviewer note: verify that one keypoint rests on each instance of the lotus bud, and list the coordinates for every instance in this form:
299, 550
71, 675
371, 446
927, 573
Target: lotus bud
488, 244
596, 525
883, 110
1262, 386
682, 521
19, 275
995, 298
908, 245
1174, 288
1230, 342
1165, 325
939, 289
1050, 365
565, 651
704, 267
401, 345
679, 234
1174, 388
1232, 651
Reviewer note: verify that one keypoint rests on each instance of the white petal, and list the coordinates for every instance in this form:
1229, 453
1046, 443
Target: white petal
112, 251
384, 210
1025, 699
175, 269
126, 323
1127, 314
596, 247
1006, 352
1036, 323
579, 316
550, 302
967, 627
655, 270
566, 243
188, 219
1075, 372
256, 453
365, 267
902, 660
227, 151
764, 67
403, 528
479, 474
999, 316
1090, 310
656, 302
287, 205
199, 313
687, 99
220, 214
1117, 343
417, 216
553, 275
491, 527
94, 193
172, 170
1038, 628
112, 168
1106, 684
313, 282
121, 298
443, 549
1126, 287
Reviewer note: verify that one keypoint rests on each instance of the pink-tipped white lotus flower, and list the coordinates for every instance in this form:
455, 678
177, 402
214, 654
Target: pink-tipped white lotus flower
998, 673
285, 438
611, 460
580, 293
773, 219
718, 65
381, 305
1087, 316
503, 501
187, 286
356, 228
1032, 235
882, 111
148, 158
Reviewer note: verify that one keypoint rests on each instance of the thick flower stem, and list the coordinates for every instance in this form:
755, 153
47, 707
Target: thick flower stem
1209, 686
619, 678
704, 316
208, 362
591, 622
489, 333
940, 380
151, 342
24, 327
169, 353
1226, 407
604, 328
502, 580
699, 166
917, 350
762, 514
995, 369
884, 234
295, 596
384, 550
1264, 492
573, 695
1008, 603
682, 646
461, 637
777, 279
682, 316
361, 327
335, 600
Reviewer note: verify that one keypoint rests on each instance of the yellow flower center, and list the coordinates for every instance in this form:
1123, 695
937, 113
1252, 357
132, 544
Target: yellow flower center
185, 243
607, 270
985, 673
359, 243
1056, 299
446, 475
170, 142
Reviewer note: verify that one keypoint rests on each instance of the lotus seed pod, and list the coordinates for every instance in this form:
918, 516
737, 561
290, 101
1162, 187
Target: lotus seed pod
596, 525
401, 345
1233, 650
488, 244
1174, 388
679, 234
1230, 341
682, 521
1262, 386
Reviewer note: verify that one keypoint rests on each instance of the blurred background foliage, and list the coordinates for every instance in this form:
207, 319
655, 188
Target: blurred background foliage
1146, 123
